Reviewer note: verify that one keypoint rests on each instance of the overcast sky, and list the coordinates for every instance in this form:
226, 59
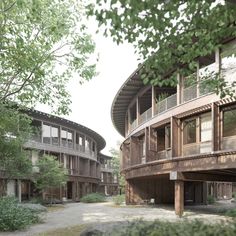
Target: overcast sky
91, 102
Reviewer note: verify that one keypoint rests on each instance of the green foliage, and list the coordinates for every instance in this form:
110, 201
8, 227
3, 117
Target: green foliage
159, 228
168, 34
15, 217
51, 173
115, 162
210, 200
234, 195
119, 199
43, 43
231, 213
93, 198
14, 131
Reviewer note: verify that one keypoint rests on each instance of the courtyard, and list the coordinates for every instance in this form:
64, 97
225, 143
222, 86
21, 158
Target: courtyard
102, 215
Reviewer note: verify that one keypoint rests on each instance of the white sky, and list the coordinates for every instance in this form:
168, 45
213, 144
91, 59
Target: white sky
91, 101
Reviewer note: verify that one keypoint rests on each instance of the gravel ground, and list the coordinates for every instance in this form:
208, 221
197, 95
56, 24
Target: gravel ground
100, 214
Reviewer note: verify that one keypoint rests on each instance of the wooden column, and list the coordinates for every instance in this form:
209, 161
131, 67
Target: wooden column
175, 137
153, 101
19, 189
179, 197
215, 112
217, 60
137, 111
129, 121
198, 80
179, 89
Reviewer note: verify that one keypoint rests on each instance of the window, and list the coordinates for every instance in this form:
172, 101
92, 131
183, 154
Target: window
190, 131
64, 137
229, 123
55, 135
46, 134
70, 139
206, 128
37, 130
167, 137
144, 148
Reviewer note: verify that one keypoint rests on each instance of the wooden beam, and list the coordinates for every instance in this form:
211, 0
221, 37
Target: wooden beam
194, 176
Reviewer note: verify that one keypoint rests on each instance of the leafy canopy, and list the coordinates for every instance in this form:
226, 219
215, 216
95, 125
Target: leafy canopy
14, 132
51, 173
43, 43
167, 34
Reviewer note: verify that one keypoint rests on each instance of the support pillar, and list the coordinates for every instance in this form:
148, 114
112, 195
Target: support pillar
137, 111
179, 197
153, 101
19, 189
179, 89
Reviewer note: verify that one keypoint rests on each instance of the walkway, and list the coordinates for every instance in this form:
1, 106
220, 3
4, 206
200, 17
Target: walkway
81, 213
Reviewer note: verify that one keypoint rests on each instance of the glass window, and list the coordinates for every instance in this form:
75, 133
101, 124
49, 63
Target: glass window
168, 137
206, 128
229, 123
161, 139
37, 130
70, 139
55, 135
46, 134
190, 131
144, 148
64, 137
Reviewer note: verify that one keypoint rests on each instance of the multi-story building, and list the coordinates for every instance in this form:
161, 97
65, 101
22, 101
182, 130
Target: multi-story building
76, 147
109, 180
180, 142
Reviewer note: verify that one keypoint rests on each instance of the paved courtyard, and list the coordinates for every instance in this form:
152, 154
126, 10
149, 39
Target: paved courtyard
97, 213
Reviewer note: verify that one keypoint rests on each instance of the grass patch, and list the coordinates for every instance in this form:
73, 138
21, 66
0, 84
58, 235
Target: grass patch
119, 199
53, 208
93, 198
72, 231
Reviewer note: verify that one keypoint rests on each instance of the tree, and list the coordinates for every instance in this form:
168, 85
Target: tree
51, 174
168, 34
115, 162
14, 131
43, 44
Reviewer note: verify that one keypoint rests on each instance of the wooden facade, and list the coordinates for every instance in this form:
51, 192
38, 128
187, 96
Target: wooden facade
179, 142
76, 147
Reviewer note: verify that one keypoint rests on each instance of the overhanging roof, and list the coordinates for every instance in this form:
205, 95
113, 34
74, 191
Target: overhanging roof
122, 100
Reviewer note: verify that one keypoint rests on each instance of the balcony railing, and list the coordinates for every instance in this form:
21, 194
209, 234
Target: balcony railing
166, 104
190, 93
228, 142
196, 90
145, 116
165, 154
133, 125
197, 148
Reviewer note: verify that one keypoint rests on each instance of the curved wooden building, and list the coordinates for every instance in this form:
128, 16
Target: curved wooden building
180, 143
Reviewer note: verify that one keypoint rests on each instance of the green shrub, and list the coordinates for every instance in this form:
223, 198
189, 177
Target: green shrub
159, 228
14, 217
231, 213
210, 200
93, 197
119, 199
234, 195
